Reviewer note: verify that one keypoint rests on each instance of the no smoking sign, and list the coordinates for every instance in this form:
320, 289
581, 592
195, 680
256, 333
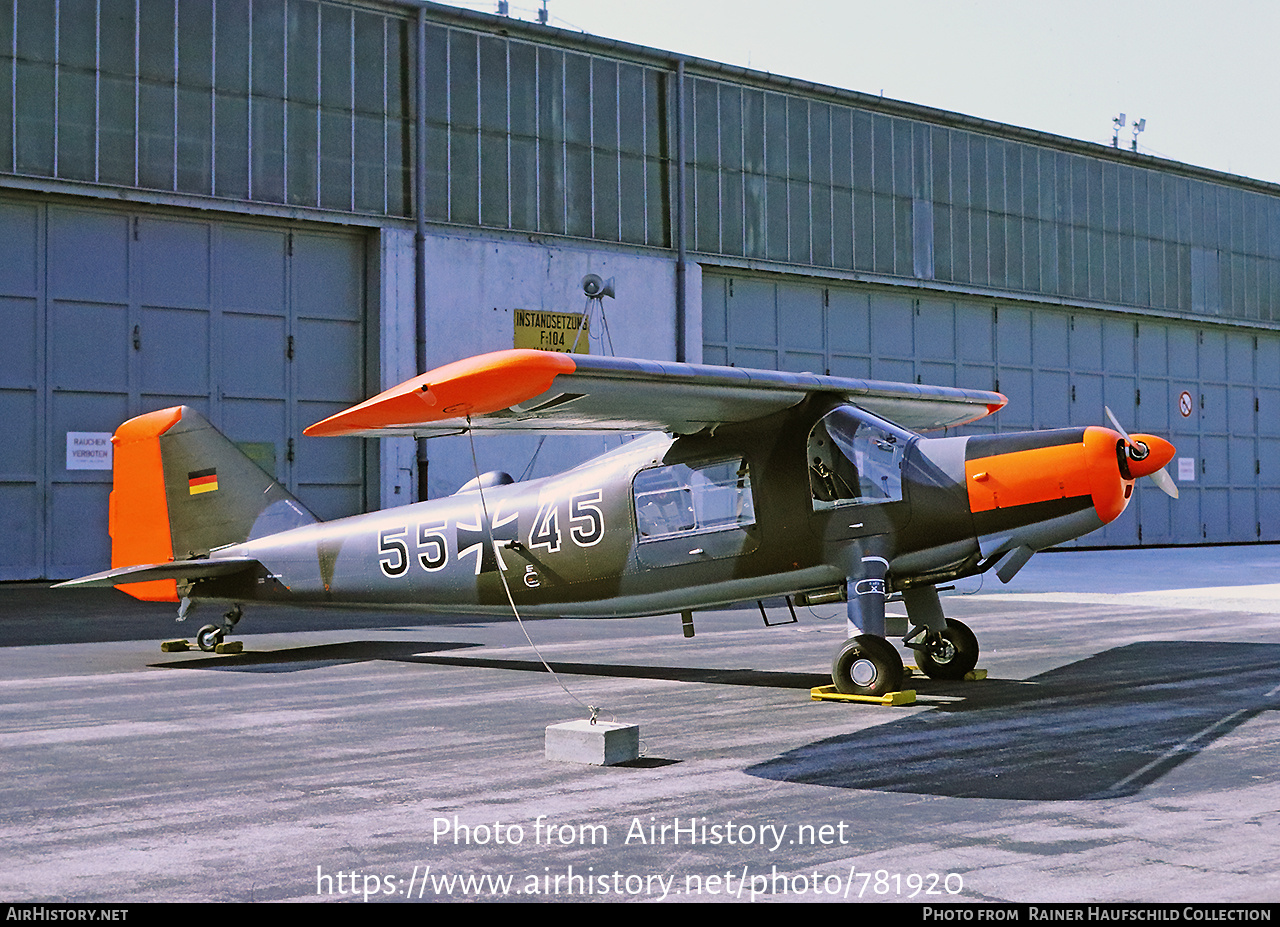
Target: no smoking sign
1185, 404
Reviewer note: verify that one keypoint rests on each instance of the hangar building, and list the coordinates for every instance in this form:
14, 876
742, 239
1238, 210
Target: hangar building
258, 208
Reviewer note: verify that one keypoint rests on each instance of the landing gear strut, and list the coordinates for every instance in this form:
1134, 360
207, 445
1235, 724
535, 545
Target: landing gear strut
211, 635
867, 664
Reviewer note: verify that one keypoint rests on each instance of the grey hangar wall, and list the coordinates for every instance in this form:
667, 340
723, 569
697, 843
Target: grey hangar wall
216, 204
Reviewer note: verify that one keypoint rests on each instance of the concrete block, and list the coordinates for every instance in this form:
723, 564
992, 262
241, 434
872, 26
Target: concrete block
599, 744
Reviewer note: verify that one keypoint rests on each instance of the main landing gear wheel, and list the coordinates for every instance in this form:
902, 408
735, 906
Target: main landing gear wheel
209, 637
867, 665
950, 654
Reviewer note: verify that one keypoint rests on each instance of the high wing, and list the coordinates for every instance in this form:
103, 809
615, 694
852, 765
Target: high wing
541, 391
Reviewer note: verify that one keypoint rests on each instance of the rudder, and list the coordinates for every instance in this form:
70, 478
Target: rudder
138, 514
180, 489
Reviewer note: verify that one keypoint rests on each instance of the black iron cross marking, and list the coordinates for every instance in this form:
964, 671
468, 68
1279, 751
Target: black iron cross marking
474, 538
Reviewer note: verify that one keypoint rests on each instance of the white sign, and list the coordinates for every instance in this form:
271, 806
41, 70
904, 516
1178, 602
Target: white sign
1186, 469
88, 450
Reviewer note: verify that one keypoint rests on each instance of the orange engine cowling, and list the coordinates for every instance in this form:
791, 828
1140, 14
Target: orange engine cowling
1095, 462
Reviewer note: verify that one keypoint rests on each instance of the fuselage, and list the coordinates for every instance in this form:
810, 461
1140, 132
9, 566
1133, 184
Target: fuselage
665, 523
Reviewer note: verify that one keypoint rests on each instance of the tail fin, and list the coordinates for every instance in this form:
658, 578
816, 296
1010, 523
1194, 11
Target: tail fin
181, 489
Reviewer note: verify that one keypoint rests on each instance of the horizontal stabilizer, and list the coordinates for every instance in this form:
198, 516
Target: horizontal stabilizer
181, 570
540, 391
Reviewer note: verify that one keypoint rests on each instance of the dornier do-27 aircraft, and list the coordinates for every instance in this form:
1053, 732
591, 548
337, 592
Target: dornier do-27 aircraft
754, 484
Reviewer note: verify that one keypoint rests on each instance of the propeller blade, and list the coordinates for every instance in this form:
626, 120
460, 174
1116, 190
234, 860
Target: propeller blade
1162, 479
1115, 423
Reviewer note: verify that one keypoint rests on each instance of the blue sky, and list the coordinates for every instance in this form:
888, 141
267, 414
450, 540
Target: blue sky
1204, 75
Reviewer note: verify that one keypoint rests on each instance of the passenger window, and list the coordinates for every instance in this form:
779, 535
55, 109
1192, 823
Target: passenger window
855, 458
681, 499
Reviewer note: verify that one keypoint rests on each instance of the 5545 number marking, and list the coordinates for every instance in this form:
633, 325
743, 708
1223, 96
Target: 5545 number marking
583, 512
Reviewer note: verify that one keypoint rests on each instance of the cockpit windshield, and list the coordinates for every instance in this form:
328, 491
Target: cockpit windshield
855, 457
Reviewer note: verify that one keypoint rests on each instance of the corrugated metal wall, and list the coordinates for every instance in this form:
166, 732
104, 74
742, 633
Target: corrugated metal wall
1058, 366
110, 313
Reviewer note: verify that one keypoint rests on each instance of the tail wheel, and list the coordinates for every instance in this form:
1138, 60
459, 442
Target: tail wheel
951, 654
209, 637
867, 665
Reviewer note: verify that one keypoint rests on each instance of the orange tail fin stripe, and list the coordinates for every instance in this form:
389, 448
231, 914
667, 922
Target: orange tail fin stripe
139, 510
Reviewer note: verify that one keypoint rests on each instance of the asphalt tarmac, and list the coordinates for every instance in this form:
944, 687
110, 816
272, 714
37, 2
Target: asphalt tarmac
1123, 748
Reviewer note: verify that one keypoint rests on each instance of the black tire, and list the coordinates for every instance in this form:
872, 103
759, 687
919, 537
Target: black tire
957, 656
867, 665
209, 637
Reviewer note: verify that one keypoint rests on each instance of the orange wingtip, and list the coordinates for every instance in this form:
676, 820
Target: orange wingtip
475, 386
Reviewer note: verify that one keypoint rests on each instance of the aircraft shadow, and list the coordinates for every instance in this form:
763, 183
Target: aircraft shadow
724, 677
293, 659
1104, 727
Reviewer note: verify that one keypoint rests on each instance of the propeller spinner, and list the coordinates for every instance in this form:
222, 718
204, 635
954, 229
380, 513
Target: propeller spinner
1147, 456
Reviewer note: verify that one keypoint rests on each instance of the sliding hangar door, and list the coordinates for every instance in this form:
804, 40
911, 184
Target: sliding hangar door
109, 313
1213, 390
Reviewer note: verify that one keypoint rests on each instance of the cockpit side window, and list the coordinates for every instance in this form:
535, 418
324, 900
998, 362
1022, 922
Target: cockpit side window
682, 499
854, 458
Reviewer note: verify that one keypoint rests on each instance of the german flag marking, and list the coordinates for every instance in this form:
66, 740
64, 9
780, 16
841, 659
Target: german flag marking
199, 481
